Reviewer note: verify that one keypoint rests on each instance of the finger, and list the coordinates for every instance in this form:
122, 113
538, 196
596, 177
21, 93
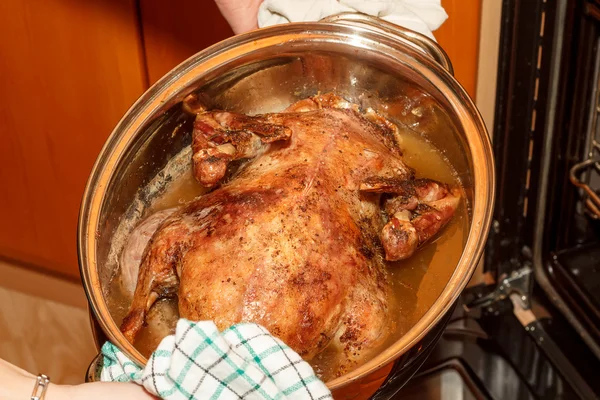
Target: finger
242, 15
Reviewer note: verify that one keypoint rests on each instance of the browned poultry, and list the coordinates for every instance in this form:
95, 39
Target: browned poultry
296, 239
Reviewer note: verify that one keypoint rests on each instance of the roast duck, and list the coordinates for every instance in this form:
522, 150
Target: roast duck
298, 237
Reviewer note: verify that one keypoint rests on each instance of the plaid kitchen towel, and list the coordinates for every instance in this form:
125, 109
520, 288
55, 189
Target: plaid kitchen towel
199, 362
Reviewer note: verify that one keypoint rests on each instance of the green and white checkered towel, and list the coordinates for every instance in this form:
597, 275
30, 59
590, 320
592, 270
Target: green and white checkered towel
199, 362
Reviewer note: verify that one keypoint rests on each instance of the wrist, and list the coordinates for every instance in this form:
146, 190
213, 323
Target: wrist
59, 392
15, 384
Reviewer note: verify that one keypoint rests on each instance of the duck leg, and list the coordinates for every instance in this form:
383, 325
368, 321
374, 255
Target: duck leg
417, 210
158, 275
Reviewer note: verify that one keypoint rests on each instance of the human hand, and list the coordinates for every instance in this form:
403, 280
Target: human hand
242, 15
14, 382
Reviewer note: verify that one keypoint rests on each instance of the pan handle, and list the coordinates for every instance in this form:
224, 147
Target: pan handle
416, 40
93, 372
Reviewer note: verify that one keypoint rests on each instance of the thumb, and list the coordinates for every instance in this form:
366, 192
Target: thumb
242, 15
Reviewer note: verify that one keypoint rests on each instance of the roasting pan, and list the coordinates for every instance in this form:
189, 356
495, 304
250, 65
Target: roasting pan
364, 59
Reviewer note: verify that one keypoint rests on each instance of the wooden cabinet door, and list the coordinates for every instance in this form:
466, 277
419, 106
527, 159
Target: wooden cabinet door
68, 71
176, 30
459, 37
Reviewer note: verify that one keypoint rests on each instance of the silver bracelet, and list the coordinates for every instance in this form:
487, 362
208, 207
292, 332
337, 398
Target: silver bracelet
41, 385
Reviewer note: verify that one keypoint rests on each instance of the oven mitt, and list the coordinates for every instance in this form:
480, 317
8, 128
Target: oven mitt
199, 362
423, 16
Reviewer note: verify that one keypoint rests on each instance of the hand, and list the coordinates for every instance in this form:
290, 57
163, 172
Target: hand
242, 15
16, 384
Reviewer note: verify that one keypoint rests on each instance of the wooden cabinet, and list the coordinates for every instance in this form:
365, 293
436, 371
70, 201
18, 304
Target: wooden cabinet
70, 69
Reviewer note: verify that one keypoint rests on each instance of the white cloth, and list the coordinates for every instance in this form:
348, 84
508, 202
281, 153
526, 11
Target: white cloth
199, 362
423, 16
